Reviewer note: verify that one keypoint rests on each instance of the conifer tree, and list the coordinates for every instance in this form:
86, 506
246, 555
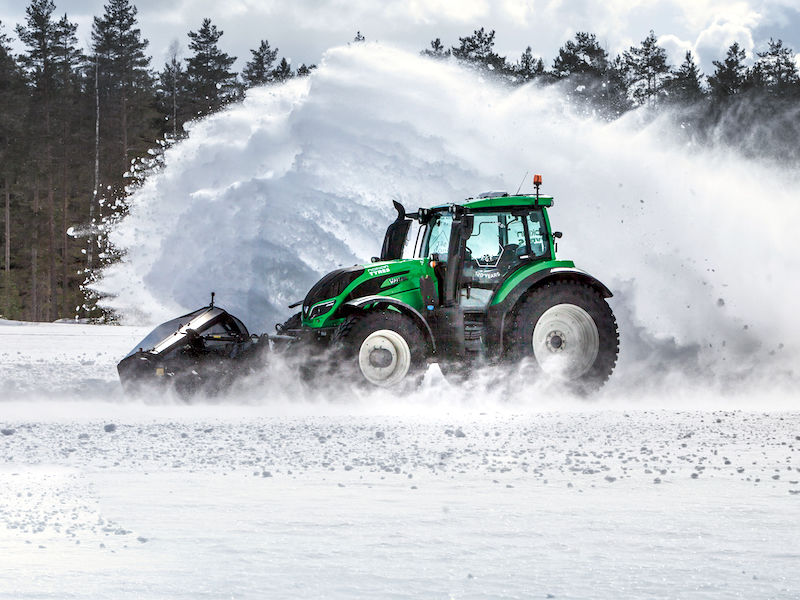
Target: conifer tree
211, 83
437, 50
528, 67
647, 70
478, 50
125, 124
584, 56
14, 100
776, 69
684, 86
39, 62
67, 56
69, 133
593, 83
172, 94
304, 70
53, 174
613, 98
282, 72
125, 82
259, 69
729, 75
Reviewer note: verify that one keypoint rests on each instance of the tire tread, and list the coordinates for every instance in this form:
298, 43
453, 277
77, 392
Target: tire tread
519, 346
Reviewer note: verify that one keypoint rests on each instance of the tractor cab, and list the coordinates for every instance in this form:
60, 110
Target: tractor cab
477, 245
474, 246
473, 253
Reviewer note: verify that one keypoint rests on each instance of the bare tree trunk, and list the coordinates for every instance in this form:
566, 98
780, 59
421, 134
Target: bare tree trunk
51, 224
7, 222
96, 189
173, 63
65, 311
174, 105
35, 254
125, 164
51, 247
7, 254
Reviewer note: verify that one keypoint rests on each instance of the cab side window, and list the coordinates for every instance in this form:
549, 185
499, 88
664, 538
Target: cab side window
538, 234
484, 246
498, 245
495, 247
516, 231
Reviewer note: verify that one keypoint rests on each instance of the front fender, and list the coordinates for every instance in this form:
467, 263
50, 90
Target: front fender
384, 301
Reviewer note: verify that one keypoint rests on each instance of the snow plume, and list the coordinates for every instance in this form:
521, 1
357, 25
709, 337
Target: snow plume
297, 180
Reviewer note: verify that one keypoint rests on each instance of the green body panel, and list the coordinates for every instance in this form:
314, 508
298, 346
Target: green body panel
520, 274
405, 290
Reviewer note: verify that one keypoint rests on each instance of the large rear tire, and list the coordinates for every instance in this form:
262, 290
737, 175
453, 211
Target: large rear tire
566, 331
380, 348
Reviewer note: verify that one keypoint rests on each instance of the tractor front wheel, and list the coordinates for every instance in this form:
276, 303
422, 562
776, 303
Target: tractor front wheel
382, 348
567, 331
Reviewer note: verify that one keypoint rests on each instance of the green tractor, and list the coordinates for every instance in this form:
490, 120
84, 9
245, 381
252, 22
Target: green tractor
484, 287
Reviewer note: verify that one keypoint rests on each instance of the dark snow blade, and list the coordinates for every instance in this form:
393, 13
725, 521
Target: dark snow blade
192, 352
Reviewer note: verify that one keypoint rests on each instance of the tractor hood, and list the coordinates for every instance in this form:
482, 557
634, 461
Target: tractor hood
331, 285
394, 278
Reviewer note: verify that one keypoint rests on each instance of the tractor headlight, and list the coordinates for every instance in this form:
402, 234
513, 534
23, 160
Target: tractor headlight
321, 309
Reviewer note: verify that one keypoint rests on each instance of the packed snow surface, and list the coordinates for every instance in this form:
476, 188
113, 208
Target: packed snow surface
443, 494
642, 505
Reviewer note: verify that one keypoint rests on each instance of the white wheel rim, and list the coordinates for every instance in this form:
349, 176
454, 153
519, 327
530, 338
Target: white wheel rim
384, 358
565, 341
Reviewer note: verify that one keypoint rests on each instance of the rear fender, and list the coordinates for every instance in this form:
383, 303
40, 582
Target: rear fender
372, 302
499, 315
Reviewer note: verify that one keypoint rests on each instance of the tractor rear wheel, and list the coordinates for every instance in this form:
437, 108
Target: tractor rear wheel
381, 348
566, 331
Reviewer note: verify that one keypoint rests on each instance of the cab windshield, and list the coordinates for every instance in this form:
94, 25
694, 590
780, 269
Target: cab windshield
436, 237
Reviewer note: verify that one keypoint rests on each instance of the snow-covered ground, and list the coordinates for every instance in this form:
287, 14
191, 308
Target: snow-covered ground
104, 497
59, 360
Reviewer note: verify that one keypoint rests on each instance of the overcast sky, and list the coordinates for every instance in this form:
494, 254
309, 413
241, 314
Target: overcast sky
303, 29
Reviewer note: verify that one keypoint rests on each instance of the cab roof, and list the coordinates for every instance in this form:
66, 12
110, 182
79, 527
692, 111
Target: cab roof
500, 200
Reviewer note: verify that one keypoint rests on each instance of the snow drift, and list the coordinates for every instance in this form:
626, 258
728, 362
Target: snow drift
297, 180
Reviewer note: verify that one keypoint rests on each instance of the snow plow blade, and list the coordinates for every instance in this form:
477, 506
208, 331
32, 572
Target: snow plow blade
202, 351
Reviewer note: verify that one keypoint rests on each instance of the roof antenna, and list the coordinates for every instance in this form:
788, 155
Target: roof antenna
212, 300
521, 182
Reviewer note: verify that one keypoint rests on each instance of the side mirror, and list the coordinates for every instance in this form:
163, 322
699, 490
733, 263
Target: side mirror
558, 235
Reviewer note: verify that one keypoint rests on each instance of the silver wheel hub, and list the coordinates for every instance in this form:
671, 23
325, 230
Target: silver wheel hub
384, 358
565, 341
380, 358
555, 341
